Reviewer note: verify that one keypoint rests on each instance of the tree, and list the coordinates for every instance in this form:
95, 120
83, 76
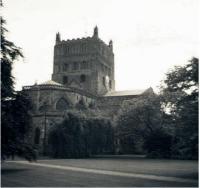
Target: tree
80, 136
14, 105
139, 121
15, 126
9, 54
179, 93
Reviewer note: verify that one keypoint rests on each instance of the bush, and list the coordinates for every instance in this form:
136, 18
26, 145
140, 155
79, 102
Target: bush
79, 136
185, 148
158, 144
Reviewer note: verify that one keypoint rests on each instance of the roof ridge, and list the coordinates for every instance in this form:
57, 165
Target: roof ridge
125, 92
50, 82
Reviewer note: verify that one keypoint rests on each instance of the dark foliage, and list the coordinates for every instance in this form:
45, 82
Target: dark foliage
79, 137
15, 125
130, 145
141, 128
166, 125
158, 144
180, 93
9, 53
14, 105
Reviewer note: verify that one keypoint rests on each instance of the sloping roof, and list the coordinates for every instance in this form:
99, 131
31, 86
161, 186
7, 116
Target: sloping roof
50, 82
126, 92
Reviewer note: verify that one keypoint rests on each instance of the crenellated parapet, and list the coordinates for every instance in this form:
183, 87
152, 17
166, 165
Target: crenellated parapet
77, 43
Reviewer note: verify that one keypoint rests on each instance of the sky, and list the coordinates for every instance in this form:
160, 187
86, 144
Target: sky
149, 37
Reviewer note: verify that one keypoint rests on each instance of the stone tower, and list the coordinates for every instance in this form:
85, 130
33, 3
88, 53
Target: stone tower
86, 63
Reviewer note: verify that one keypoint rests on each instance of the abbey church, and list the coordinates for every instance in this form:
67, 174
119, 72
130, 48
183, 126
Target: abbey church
83, 74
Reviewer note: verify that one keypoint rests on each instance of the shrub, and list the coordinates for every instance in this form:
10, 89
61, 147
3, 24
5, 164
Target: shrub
158, 144
79, 136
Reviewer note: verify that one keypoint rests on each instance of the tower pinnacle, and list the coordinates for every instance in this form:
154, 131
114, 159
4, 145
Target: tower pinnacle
57, 38
111, 44
95, 34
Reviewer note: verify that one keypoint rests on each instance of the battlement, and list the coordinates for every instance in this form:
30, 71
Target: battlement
94, 39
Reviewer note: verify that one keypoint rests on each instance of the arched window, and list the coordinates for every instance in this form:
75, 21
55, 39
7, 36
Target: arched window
84, 65
66, 67
62, 104
65, 79
37, 136
110, 84
104, 81
82, 78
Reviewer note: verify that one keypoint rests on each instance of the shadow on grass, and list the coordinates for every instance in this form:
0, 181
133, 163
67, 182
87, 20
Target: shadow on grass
9, 171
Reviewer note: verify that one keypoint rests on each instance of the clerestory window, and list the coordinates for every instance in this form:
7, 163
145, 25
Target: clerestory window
66, 67
84, 65
65, 80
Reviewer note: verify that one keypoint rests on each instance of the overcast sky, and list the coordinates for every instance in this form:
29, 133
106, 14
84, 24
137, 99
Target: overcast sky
149, 36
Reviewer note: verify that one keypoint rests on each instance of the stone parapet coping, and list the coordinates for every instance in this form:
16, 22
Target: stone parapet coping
58, 87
